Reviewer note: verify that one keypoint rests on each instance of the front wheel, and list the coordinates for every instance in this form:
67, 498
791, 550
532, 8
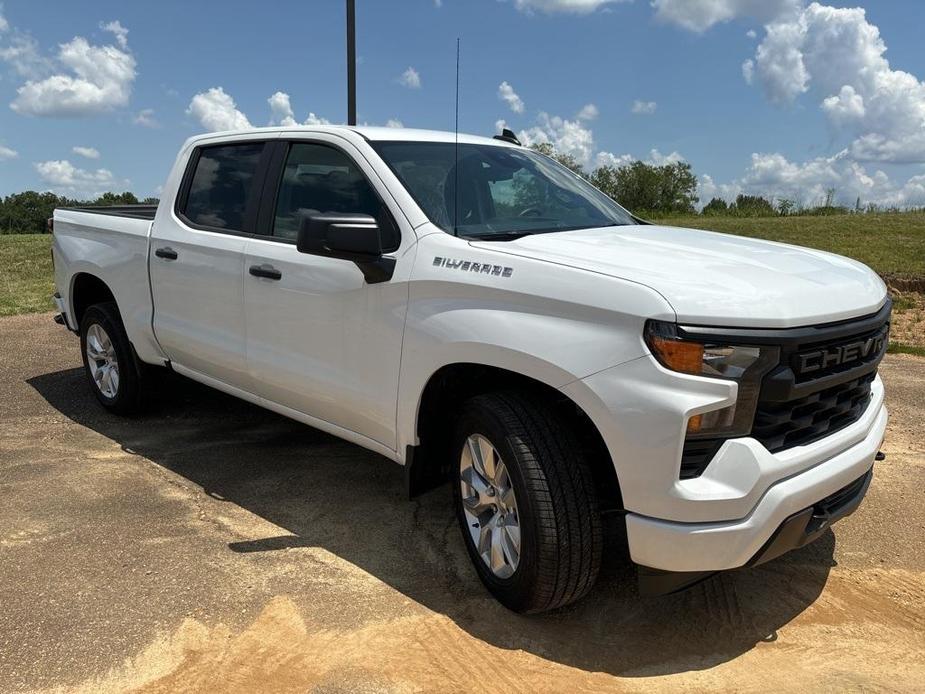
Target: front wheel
109, 361
526, 503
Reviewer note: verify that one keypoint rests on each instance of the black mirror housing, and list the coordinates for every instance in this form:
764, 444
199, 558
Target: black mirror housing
353, 237
345, 236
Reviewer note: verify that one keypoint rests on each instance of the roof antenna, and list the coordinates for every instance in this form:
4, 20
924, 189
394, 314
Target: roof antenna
456, 152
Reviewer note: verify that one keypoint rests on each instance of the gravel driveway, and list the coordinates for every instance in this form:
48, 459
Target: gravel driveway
213, 545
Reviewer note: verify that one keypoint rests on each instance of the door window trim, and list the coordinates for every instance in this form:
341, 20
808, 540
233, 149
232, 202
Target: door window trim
254, 202
266, 216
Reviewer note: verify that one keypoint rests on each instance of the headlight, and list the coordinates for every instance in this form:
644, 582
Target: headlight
744, 364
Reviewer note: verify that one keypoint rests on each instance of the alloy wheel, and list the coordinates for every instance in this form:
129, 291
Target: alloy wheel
490, 506
102, 361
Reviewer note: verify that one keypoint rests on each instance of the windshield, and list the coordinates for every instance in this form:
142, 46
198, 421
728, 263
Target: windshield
501, 192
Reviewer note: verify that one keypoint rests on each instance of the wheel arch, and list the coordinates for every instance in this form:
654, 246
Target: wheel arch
427, 463
87, 289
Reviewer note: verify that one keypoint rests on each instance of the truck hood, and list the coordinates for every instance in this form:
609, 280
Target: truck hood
716, 279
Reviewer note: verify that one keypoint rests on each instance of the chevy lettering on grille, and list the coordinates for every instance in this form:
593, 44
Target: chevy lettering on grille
829, 357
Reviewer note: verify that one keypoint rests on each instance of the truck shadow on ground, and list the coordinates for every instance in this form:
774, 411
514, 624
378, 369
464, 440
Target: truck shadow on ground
337, 496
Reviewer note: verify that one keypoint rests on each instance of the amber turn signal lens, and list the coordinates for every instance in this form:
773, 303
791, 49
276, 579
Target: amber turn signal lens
686, 357
694, 424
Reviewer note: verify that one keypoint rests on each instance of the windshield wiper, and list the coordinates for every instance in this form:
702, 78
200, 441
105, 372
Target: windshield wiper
500, 236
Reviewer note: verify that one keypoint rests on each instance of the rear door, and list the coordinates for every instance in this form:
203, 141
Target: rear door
197, 260
320, 339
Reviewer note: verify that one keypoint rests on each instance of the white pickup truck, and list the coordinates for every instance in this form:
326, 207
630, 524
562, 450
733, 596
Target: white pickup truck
482, 316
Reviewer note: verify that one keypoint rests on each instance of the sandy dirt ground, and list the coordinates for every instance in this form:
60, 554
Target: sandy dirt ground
210, 545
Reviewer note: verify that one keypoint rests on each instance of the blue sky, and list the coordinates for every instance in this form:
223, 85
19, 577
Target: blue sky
778, 97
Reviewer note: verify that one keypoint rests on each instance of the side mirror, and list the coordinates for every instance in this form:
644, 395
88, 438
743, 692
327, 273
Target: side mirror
345, 236
353, 237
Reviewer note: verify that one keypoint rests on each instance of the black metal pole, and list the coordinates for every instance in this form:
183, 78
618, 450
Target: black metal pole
351, 63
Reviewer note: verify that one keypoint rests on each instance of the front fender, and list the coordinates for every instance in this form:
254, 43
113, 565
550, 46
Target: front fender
551, 323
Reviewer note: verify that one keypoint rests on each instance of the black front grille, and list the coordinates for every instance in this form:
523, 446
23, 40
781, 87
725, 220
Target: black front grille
782, 425
821, 384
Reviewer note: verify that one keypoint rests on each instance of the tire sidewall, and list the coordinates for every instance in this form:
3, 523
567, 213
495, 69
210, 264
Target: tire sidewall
513, 592
106, 317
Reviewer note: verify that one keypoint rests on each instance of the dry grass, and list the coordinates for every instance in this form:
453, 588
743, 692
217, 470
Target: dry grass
908, 328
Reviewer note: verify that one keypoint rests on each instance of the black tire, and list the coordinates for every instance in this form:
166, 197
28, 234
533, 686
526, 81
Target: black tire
127, 397
560, 526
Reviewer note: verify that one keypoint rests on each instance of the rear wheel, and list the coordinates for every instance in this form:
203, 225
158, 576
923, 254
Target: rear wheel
526, 503
109, 360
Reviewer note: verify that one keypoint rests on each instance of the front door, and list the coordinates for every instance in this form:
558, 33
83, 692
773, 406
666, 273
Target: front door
320, 339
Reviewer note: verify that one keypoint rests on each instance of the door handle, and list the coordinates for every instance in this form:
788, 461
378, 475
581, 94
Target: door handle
266, 271
166, 253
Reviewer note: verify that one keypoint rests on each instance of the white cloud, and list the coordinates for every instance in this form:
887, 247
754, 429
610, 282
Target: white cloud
748, 71
316, 120
774, 176
567, 136
22, 53
410, 78
707, 189
837, 56
655, 158
700, 15
567, 6
614, 161
7, 153
88, 152
281, 110
846, 107
145, 118
89, 79
394, 123
644, 108
215, 110
117, 30
507, 94
588, 112
438, 3
66, 179
752, 34
500, 125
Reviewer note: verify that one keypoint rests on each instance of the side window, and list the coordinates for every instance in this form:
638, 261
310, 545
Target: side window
320, 180
222, 185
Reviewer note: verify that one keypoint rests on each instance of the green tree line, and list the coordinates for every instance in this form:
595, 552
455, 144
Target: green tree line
647, 190
644, 189
668, 190
28, 212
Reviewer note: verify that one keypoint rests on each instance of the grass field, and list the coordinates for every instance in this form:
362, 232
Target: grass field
892, 244
26, 282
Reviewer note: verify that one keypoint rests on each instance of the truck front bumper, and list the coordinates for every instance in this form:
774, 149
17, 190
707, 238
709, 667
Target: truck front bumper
789, 514
797, 531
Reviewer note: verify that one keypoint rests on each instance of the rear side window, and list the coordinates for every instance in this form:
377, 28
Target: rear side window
222, 186
319, 180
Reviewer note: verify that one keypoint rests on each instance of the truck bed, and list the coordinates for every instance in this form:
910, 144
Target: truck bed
109, 244
134, 211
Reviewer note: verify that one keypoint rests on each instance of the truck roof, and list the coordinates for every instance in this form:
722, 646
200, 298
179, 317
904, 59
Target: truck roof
371, 133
